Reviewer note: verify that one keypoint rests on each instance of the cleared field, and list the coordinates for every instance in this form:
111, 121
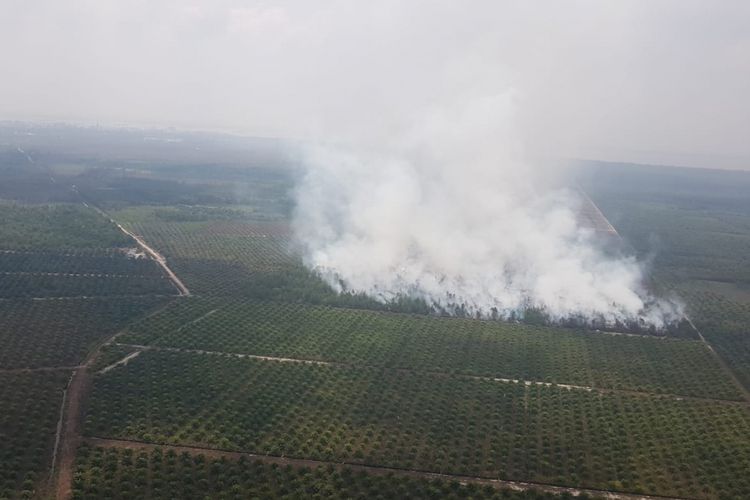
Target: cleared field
166, 474
38, 333
590, 217
438, 423
29, 406
484, 348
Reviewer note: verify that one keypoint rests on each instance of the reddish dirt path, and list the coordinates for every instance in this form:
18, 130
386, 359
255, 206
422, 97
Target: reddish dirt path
72, 418
371, 469
70, 437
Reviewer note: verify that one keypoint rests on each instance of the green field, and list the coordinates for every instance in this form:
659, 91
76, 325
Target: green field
29, 410
125, 473
229, 253
56, 227
454, 345
79, 261
342, 396
48, 333
66, 285
696, 225
17, 285
724, 321
438, 423
70, 251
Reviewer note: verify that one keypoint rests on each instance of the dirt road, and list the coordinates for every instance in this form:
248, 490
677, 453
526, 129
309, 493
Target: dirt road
70, 436
159, 258
70, 430
374, 470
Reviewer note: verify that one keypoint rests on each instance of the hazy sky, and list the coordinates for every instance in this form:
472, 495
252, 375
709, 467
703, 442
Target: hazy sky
650, 81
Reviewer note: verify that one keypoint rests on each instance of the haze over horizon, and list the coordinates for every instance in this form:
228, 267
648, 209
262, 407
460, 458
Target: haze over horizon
627, 81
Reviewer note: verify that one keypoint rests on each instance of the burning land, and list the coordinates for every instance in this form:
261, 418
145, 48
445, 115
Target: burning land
375, 250
267, 365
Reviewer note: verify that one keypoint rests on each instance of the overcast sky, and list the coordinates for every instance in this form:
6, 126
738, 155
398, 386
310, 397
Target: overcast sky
649, 81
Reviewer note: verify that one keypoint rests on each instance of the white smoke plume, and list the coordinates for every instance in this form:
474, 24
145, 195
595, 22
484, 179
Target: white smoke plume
432, 113
449, 209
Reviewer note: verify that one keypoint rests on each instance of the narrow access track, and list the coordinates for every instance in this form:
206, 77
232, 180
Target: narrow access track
59, 427
374, 469
69, 435
123, 361
159, 258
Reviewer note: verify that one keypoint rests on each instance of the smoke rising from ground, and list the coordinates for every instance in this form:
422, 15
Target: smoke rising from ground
432, 116
452, 212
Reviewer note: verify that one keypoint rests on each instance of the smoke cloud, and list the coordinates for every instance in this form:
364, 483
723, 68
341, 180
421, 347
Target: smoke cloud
434, 120
451, 211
